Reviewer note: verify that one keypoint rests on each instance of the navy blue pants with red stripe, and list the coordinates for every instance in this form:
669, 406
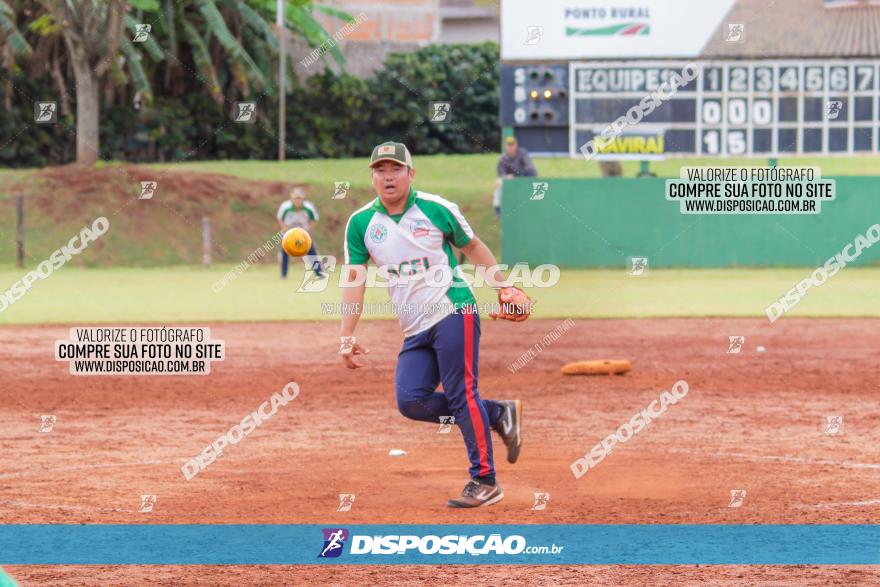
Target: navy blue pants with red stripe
448, 353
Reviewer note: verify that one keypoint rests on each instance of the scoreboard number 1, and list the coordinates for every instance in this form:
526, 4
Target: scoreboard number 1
736, 142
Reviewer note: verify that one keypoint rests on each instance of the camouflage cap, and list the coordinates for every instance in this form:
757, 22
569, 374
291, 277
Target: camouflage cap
391, 151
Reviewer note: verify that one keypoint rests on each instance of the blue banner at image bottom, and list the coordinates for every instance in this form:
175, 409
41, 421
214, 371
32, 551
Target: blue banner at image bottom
831, 544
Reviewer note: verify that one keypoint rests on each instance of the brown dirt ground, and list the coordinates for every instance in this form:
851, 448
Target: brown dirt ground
77, 184
751, 421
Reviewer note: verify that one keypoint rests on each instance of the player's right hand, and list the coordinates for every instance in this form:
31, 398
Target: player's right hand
516, 306
349, 348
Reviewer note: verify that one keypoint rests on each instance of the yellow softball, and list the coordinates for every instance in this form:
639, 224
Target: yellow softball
296, 242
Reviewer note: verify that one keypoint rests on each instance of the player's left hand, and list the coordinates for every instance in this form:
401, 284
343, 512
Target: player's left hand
349, 348
516, 306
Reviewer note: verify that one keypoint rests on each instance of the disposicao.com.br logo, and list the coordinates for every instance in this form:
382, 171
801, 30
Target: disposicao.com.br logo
453, 544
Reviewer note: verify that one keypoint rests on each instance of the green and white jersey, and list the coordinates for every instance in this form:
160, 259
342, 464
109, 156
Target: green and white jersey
410, 243
293, 217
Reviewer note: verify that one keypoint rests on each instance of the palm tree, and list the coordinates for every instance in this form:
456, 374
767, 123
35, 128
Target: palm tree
225, 47
12, 45
92, 32
229, 43
12, 39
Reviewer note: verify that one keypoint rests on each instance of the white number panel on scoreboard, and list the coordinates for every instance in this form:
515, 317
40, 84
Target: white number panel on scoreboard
736, 108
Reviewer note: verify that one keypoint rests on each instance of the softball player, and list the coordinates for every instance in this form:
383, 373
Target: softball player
411, 231
299, 212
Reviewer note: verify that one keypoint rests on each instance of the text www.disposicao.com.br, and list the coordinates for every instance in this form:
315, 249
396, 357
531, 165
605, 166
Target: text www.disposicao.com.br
696, 206
139, 366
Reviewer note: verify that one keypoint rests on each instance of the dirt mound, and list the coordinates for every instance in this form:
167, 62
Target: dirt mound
123, 181
163, 229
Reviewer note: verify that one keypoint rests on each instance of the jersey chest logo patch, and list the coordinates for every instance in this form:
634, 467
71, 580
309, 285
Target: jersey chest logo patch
378, 233
420, 228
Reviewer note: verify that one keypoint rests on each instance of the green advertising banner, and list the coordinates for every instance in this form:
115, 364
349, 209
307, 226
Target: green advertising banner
604, 222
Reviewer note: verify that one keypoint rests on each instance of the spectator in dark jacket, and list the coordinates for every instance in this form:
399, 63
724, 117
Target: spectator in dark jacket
514, 163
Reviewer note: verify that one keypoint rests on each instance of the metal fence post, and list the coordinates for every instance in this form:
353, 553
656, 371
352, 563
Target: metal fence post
19, 231
206, 241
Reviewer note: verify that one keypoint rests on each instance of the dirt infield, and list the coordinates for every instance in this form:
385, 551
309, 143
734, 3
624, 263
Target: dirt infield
752, 421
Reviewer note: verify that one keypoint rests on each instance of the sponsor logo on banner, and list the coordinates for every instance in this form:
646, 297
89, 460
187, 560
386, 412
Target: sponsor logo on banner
610, 29
607, 21
334, 540
642, 145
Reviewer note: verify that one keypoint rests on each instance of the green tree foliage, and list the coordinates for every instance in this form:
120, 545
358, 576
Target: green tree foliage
226, 49
329, 115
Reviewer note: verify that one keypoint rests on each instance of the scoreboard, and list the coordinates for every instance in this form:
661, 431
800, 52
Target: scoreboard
732, 108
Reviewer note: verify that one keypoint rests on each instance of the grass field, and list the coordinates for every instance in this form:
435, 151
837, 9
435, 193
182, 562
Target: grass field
185, 295
470, 179
142, 270
166, 231
461, 176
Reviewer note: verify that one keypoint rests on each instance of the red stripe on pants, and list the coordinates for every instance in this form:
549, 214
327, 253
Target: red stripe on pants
476, 418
